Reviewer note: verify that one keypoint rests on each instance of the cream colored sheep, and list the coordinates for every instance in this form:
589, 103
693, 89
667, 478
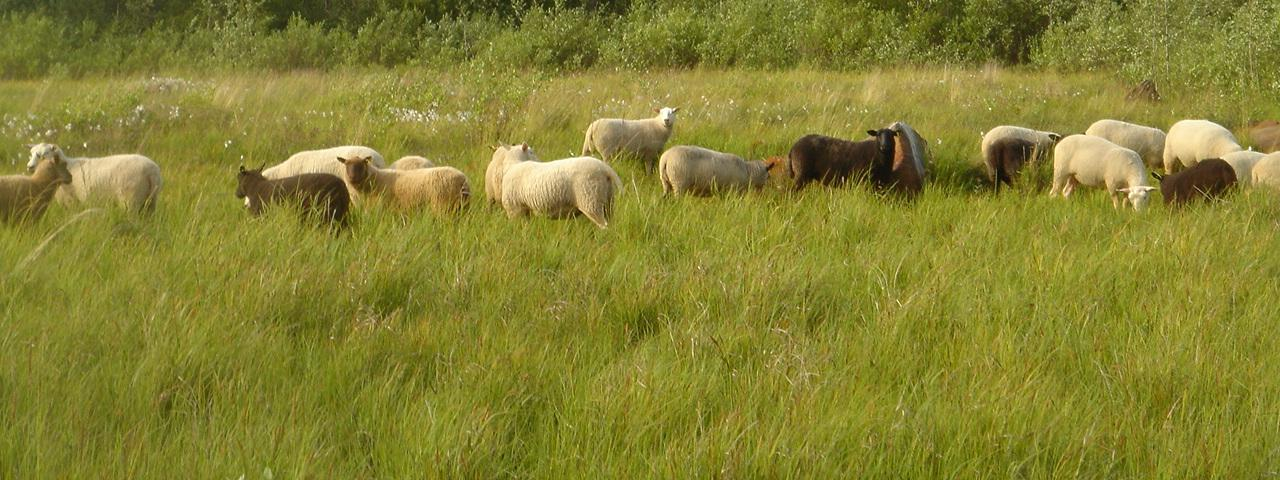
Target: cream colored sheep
1190, 141
699, 171
321, 161
412, 162
131, 181
1092, 161
25, 198
442, 189
1266, 171
1243, 162
1043, 141
503, 155
1148, 142
560, 188
643, 139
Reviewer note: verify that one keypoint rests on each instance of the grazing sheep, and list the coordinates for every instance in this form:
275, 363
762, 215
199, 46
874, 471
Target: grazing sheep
25, 198
412, 162
320, 195
1005, 158
503, 155
1210, 178
1190, 141
1242, 162
643, 139
909, 158
1147, 141
1144, 91
560, 188
1043, 141
1092, 161
443, 189
1265, 135
130, 181
699, 171
1266, 171
832, 161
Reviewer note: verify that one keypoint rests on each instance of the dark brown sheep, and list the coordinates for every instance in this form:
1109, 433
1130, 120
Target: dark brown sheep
1205, 180
1265, 136
320, 195
832, 161
1144, 91
1005, 159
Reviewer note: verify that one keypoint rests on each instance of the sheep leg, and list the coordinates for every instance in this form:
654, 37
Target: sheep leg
1069, 187
1060, 183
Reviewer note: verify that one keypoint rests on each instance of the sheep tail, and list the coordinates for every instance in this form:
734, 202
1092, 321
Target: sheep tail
586, 143
153, 193
616, 181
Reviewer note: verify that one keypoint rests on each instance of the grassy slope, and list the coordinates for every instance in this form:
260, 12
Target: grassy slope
822, 334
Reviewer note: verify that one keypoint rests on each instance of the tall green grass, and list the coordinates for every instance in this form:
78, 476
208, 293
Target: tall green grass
829, 333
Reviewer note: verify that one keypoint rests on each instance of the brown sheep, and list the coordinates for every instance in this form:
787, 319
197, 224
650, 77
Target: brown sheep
1005, 159
25, 198
320, 195
1205, 180
1265, 136
832, 161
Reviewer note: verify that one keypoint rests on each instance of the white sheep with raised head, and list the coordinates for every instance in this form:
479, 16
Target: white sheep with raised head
442, 189
1148, 142
25, 198
560, 188
131, 181
1266, 171
412, 162
1092, 161
687, 169
1243, 162
1190, 141
642, 139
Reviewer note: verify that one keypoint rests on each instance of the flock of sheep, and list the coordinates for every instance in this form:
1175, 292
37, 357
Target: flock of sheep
1200, 159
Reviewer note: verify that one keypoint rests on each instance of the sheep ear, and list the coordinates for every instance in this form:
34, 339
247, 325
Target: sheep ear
657, 110
1055, 137
242, 169
674, 110
872, 132
342, 160
1157, 175
524, 147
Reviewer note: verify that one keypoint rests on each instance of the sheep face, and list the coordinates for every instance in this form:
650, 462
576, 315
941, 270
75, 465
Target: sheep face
55, 166
884, 142
359, 170
247, 180
1138, 196
43, 150
668, 116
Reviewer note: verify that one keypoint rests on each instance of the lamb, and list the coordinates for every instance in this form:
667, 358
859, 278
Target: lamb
25, 198
1210, 178
643, 139
1266, 172
1265, 135
1190, 141
412, 162
1243, 162
699, 171
1147, 141
443, 189
1003, 165
560, 188
503, 155
130, 181
320, 195
1092, 161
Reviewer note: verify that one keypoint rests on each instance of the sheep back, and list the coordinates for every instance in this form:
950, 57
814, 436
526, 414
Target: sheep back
1093, 161
829, 160
1148, 142
1243, 162
700, 171
443, 189
1210, 178
1190, 141
613, 138
412, 162
561, 188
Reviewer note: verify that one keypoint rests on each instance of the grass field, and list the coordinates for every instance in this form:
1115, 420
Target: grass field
825, 334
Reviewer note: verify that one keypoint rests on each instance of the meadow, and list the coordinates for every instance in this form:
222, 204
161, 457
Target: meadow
829, 333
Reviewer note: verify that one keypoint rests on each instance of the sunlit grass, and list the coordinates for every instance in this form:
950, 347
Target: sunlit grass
824, 334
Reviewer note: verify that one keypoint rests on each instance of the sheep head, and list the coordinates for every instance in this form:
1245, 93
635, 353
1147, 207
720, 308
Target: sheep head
54, 169
359, 170
667, 115
43, 150
1138, 196
246, 179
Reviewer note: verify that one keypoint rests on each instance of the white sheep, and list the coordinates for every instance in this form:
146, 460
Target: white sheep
1266, 171
25, 198
1092, 161
131, 181
560, 188
1243, 162
321, 161
443, 189
1147, 141
503, 155
700, 171
412, 162
643, 139
1190, 141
